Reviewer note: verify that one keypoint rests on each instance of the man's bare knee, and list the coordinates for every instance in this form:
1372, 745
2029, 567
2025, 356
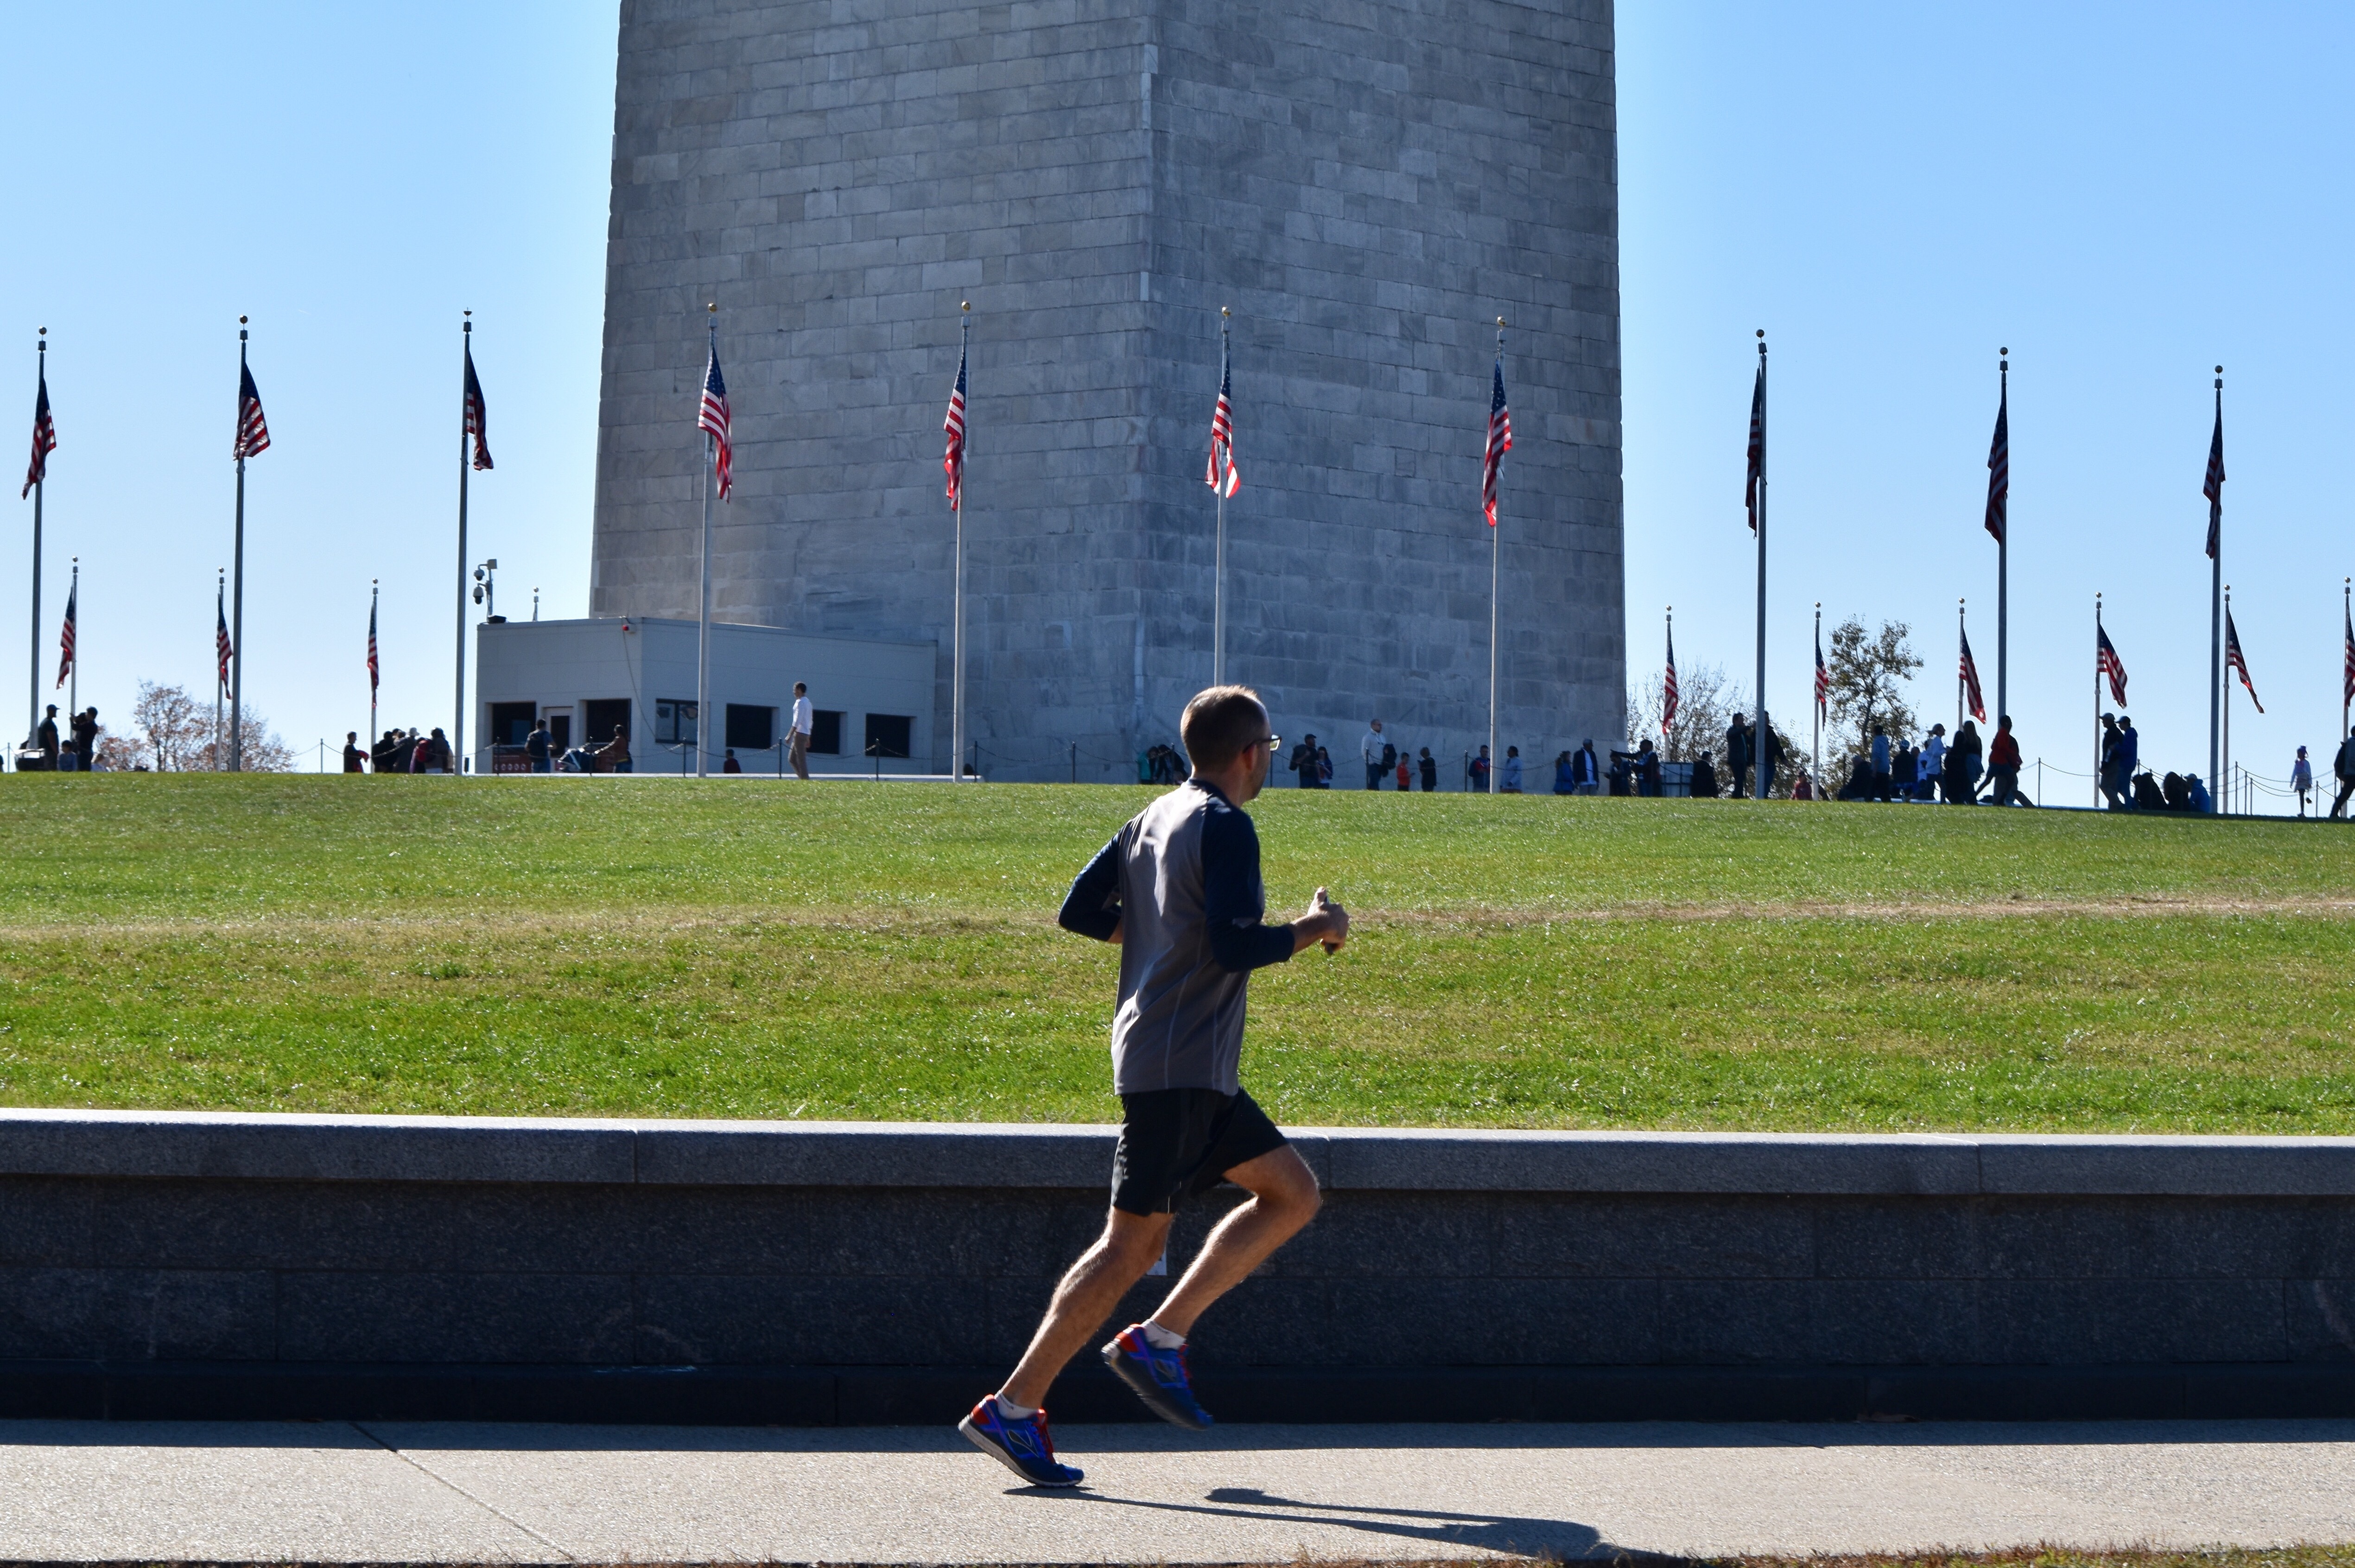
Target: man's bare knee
1282, 1184
1133, 1242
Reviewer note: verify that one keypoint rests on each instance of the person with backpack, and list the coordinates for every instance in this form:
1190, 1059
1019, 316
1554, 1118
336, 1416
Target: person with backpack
2342, 767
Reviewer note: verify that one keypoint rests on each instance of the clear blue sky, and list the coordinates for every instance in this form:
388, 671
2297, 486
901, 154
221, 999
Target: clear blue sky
2124, 195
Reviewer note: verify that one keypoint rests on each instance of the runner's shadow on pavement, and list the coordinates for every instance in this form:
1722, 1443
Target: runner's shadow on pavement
1559, 1538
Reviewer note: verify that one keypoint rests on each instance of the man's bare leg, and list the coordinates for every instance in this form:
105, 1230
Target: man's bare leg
1093, 1287
1283, 1198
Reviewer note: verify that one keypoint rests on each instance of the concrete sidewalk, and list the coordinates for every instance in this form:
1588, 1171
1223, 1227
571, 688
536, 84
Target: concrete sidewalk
385, 1492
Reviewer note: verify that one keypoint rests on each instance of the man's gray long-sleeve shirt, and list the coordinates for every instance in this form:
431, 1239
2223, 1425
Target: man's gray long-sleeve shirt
1180, 882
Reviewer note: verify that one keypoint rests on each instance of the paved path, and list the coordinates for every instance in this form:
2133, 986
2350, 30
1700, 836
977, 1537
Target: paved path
339, 1492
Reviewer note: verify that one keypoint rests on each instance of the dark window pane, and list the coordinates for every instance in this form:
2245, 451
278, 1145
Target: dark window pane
825, 731
887, 733
674, 721
750, 728
511, 722
604, 716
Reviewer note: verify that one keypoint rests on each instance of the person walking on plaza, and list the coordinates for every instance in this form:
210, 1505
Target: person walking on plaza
46, 737
2342, 767
1737, 755
539, 747
2129, 759
1586, 769
2301, 779
2003, 766
798, 732
1562, 782
1428, 766
1374, 745
1512, 779
1178, 890
354, 760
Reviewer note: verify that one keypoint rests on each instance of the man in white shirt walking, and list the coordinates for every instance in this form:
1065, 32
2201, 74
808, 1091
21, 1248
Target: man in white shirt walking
797, 740
1377, 764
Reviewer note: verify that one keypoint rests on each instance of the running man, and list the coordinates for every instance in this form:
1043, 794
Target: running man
1178, 890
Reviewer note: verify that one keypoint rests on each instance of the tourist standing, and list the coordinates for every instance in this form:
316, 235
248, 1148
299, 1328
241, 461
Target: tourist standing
2342, 767
2129, 759
2003, 766
539, 747
46, 737
1428, 766
1931, 763
1512, 778
2301, 779
1880, 776
798, 732
85, 738
1479, 771
1303, 763
354, 760
1179, 889
1374, 744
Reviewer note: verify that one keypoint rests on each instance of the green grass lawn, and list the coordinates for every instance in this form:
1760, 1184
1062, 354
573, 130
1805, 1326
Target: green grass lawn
750, 948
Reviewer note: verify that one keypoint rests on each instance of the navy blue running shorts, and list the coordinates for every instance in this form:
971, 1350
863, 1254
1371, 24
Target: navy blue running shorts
1178, 1143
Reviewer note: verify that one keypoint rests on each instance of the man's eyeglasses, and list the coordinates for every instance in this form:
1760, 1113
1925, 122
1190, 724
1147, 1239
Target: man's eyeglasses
1270, 742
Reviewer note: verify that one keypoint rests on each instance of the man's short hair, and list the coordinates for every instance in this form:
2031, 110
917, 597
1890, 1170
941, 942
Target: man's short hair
1220, 722
800, 688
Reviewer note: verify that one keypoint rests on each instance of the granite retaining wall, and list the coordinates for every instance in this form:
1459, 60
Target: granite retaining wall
197, 1265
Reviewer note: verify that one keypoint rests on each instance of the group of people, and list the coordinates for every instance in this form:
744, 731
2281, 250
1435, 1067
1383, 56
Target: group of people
1386, 762
2127, 786
74, 752
1966, 772
399, 751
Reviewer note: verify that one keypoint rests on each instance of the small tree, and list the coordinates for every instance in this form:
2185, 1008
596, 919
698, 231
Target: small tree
176, 734
264, 752
121, 753
1704, 704
1869, 673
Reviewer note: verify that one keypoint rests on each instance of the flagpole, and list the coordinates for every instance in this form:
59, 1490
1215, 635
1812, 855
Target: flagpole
458, 702
2219, 784
2003, 556
1758, 735
2216, 608
2097, 705
1962, 636
73, 670
221, 593
372, 591
2347, 612
1816, 712
33, 672
1219, 589
237, 607
703, 592
1496, 561
957, 637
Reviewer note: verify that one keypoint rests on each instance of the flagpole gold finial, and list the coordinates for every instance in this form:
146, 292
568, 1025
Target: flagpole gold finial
1225, 311
965, 305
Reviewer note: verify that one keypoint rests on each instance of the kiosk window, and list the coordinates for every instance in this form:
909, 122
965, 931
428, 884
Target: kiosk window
825, 731
750, 728
887, 733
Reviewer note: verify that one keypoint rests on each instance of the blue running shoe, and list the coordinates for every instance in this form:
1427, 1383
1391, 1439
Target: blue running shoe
1022, 1446
1157, 1377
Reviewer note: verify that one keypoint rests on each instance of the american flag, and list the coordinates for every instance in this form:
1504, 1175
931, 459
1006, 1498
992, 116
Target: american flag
221, 648
1998, 507
1669, 687
476, 419
711, 419
2214, 489
66, 640
2235, 660
2108, 663
45, 436
2347, 667
252, 432
1758, 444
1969, 671
1823, 674
374, 669
1222, 475
953, 461
1500, 441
